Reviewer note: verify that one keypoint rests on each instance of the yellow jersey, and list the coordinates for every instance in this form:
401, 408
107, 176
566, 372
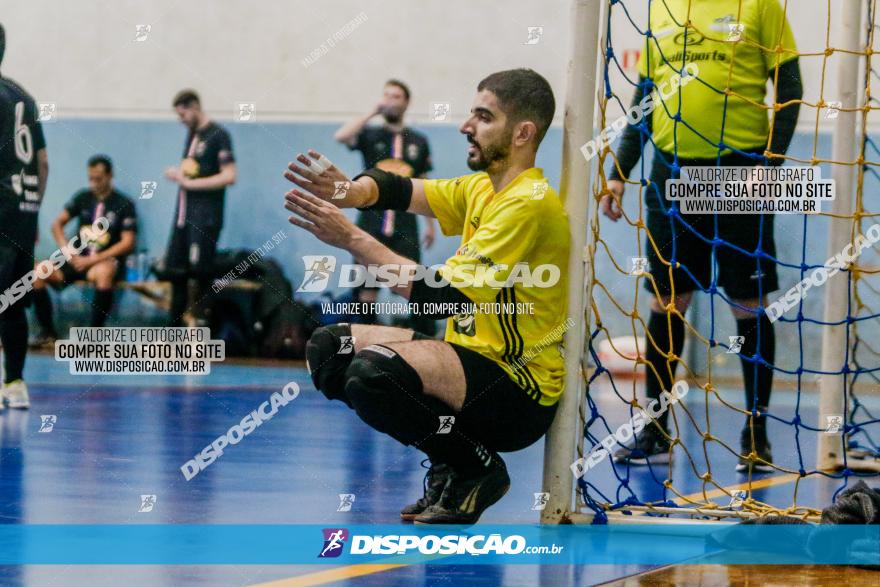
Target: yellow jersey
733, 43
520, 236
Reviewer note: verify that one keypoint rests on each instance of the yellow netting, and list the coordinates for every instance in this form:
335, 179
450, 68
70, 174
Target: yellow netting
618, 303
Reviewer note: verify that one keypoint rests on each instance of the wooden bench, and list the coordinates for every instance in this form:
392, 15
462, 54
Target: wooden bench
159, 292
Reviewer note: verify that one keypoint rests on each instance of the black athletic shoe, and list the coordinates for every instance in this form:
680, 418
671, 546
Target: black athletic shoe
649, 447
761, 449
435, 481
464, 500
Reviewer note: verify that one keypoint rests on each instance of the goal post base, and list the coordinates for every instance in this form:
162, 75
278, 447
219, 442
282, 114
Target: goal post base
659, 515
856, 460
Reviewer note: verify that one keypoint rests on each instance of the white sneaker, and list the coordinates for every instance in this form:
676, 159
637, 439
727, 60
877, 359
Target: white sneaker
16, 395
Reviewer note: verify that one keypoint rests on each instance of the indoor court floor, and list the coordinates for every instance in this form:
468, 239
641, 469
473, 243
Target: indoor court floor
125, 436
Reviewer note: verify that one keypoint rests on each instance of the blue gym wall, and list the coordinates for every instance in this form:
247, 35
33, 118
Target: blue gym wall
142, 149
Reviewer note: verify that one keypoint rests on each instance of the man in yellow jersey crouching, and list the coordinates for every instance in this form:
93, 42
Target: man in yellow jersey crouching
493, 383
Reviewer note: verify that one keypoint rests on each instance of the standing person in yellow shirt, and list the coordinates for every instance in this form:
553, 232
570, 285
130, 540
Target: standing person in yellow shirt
493, 384
719, 119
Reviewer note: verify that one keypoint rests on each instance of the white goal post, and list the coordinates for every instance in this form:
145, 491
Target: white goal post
580, 107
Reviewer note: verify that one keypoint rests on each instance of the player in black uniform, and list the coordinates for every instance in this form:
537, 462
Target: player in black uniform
401, 150
208, 166
103, 261
24, 168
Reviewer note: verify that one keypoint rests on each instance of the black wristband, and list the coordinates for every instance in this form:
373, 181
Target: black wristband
395, 191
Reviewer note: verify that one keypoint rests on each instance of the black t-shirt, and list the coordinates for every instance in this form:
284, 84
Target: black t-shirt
21, 137
409, 156
117, 208
211, 149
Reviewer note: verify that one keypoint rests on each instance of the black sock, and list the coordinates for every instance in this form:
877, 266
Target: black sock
14, 336
178, 302
101, 304
43, 311
758, 378
659, 329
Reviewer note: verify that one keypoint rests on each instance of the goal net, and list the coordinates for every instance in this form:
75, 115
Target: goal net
824, 413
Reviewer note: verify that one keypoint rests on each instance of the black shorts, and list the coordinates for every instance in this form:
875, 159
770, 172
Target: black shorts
191, 251
738, 269
14, 265
497, 411
70, 275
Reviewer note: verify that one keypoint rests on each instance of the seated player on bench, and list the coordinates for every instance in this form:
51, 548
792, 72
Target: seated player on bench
492, 385
102, 263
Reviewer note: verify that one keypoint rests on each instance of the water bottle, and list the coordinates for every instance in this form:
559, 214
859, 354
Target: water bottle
131, 270
142, 267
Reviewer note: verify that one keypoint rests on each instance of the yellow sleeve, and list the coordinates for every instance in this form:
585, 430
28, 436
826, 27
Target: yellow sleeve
775, 30
448, 201
480, 268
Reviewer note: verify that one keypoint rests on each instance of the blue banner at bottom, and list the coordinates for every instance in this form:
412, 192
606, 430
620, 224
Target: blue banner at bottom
649, 544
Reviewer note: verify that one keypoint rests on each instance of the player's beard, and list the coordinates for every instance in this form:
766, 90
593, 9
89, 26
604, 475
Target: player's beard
486, 155
392, 117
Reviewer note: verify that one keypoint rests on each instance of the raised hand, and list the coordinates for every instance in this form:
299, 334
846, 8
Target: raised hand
318, 176
325, 221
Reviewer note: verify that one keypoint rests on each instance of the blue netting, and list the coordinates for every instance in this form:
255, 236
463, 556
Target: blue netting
613, 392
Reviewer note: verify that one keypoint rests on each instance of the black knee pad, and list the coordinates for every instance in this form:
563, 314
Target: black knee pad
380, 367
387, 392
327, 358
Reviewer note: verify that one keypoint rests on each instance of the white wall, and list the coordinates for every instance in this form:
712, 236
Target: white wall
82, 55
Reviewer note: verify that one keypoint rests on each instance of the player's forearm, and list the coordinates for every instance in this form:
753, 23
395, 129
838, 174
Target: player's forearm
631, 146
789, 89
348, 131
368, 251
123, 247
363, 193
212, 182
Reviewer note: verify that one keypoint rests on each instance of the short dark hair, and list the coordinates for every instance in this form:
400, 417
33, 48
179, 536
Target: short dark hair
101, 160
2, 42
523, 94
401, 85
186, 98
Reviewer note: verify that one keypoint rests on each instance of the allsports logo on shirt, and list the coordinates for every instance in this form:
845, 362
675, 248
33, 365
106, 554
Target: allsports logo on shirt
320, 268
